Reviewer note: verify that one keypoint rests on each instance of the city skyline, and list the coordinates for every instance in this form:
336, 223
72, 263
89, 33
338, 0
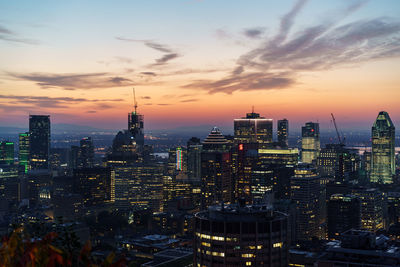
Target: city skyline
299, 60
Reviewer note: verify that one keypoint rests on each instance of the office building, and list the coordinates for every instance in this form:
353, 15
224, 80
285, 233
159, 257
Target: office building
253, 129
337, 162
372, 208
39, 141
216, 175
283, 133
194, 149
360, 248
306, 193
310, 144
6, 152
135, 127
139, 185
23, 151
239, 235
86, 153
95, 185
383, 155
344, 213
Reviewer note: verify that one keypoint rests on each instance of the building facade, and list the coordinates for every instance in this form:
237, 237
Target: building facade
39, 141
383, 154
310, 144
235, 235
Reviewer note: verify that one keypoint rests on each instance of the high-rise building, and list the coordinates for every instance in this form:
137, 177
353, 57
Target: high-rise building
194, 149
135, 126
139, 185
95, 185
372, 208
177, 161
344, 213
10, 186
310, 144
383, 154
6, 152
306, 193
216, 175
239, 235
283, 132
23, 151
86, 155
336, 161
39, 138
253, 129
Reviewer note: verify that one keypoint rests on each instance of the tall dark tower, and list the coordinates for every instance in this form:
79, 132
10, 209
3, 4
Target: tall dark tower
86, 155
283, 132
39, 137
383, 154
135, 124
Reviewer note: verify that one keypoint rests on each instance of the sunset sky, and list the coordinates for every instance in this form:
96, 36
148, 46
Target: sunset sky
199, 62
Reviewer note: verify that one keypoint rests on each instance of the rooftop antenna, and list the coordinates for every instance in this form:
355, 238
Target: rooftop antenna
134, 100
252, 109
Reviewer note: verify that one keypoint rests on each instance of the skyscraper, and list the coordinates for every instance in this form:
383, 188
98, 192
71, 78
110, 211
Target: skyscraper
6, 152
372, 208
306, 193
86, 155
283, 132
253, 129
23, 150
194, 149
344, 213
310, 144
135, 126
216, 175
39, 149
96, 185
383, 154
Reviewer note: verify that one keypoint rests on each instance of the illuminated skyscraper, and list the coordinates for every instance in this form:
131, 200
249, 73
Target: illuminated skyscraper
6, 152
310, 144
253, 129
283, 132
383, 154
23, 151
39, 147
216, 176
306, 193
372, 208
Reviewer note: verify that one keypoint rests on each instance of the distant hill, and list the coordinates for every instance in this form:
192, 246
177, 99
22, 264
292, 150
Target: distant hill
60, 128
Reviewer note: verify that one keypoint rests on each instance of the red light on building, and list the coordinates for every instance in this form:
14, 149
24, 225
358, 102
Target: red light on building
240, 146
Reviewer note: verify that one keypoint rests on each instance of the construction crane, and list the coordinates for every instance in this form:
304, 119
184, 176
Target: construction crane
134, 100
341, 142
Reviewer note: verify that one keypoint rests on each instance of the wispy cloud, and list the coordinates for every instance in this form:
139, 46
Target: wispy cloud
189, 100
254, 33
10, 36
169, 53
72, 81
12, 101
279, 61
